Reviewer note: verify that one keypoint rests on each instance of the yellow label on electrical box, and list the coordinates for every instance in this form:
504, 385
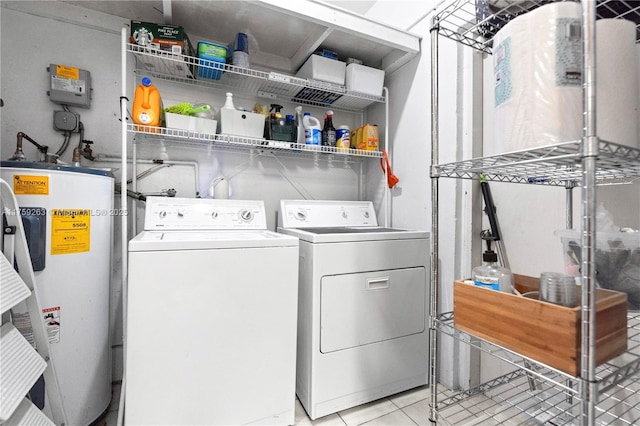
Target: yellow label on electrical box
70, 231
30, 185
67, 72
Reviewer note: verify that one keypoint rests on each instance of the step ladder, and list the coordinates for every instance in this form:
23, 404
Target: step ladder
21, 365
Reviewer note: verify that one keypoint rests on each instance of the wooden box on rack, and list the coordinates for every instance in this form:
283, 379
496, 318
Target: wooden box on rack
545, 332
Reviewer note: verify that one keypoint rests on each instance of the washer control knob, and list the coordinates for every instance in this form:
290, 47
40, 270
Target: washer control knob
366, 214
180, 214
214, 214
301, 215
246, 215
162, 214
344, 214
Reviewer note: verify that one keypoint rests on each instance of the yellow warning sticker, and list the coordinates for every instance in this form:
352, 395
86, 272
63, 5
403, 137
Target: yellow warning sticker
30, 185
70, 231
67, 72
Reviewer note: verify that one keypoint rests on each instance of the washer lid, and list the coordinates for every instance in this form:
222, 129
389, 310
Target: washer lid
203, 240
351, 234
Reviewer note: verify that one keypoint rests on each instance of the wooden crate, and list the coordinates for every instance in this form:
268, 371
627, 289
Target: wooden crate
548, 333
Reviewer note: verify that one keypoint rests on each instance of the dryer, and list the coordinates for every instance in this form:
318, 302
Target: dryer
211, 316
362, 305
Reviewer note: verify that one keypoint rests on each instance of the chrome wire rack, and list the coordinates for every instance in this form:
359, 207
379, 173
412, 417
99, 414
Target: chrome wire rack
184, 69
553, 398
554, 165
474, 22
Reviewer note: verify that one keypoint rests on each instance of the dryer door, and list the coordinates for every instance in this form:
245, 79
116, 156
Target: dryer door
369, 307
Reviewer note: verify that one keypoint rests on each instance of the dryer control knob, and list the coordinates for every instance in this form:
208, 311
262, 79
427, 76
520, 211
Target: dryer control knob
214, 215
344, 214
246, 215
301, 215
366, 214
162, 214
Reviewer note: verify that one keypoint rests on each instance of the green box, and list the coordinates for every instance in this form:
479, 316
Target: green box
168, 39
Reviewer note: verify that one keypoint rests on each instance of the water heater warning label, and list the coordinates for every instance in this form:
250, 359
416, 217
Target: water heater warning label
51, 318
70, 231
30, 185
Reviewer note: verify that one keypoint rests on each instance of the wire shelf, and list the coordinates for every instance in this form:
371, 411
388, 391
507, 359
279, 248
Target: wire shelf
474, 22
186, 138
184, 69
555, 165
511, 399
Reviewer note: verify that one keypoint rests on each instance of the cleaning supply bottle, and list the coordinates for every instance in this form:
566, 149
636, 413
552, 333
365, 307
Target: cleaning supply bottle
312, 130
329, 131
228, 103
491, 274
147, 105
300, 137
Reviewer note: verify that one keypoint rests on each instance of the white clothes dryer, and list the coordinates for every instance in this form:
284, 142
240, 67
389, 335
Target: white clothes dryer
211, 316
362, 309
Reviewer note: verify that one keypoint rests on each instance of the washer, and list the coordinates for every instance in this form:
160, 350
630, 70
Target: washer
211, 317
362, 305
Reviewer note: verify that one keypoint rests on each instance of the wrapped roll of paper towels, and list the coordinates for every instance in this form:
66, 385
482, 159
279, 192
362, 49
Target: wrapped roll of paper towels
537, 69
616, 82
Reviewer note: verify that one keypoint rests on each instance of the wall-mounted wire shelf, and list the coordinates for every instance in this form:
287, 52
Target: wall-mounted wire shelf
554, 165
186, 138
474, 22
555, 398
251, 82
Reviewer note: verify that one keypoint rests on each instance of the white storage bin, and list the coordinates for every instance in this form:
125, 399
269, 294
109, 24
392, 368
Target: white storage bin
190, 123
365, 79
179, 121
320, 68
241, 123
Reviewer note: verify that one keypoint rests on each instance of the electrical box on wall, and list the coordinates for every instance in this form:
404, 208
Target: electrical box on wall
69, 86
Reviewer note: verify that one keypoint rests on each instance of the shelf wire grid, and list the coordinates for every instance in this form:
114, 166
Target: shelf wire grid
554, 165
510, 399
474, 22
184, 69
186, 138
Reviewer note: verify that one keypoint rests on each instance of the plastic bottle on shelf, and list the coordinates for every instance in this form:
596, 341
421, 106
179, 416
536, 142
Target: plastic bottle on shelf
312, 130
491, 274
329, 131
228, 103
147, 104
300, 137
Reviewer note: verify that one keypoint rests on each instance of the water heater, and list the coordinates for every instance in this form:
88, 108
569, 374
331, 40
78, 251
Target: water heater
68, 216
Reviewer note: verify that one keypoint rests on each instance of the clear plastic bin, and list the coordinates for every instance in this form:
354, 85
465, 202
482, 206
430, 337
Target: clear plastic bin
617, 261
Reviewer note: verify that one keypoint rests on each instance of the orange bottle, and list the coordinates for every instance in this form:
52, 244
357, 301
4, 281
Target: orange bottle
147, 105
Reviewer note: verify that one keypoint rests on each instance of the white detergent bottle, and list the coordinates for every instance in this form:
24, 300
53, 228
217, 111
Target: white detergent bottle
312, 130
300, 138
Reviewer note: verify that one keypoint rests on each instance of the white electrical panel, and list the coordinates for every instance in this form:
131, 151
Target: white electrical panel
69, 86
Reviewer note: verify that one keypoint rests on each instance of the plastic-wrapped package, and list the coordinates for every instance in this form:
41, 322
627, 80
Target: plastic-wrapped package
537, 69
616, 82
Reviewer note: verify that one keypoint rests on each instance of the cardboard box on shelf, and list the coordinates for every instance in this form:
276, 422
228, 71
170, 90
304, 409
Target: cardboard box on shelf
168, 44
545, 332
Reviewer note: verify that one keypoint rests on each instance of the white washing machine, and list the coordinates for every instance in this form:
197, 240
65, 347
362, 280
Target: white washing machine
362, 305
211, 318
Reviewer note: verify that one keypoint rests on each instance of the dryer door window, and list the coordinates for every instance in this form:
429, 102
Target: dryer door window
369, 307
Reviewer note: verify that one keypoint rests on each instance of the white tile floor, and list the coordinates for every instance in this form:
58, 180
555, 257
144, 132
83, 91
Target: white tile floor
408, 408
